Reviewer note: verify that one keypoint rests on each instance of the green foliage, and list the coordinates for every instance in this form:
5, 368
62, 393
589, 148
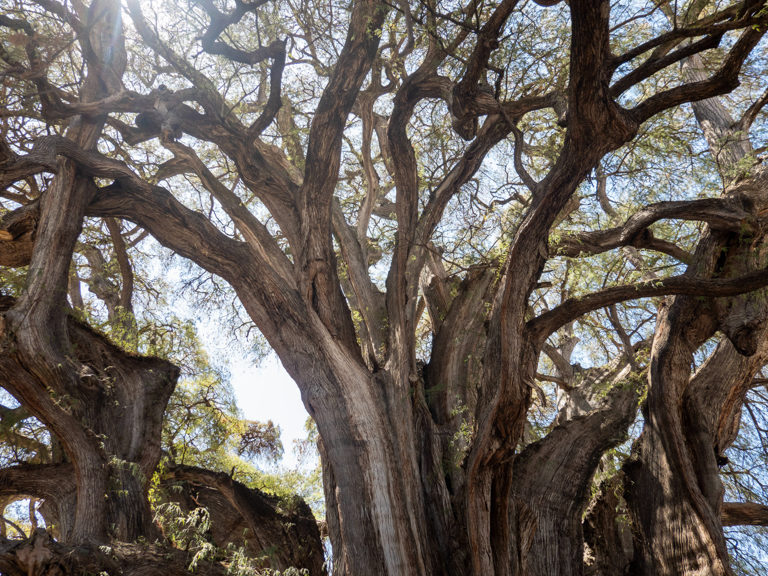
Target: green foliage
462, 438
12, 280
203, 426
187, 531
304, 480
260, 440
202, 422
190, 532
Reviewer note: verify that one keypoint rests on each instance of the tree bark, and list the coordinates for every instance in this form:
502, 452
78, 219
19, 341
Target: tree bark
282, 534
40, 555
552, 477
745, 514
608, 542
115, 406
674, 489
421, 469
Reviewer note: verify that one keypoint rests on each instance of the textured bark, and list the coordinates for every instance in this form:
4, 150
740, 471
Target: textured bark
420, 464
284, 534
103, 405
374, 467
745, 514
607, 532
674, 489
552, 477
678, 528
40, 555
52, 483
17, 236
115, 397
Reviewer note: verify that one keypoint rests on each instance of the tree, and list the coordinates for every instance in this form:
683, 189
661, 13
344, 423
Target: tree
393, 193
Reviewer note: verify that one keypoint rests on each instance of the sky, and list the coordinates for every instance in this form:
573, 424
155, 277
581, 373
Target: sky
267, 392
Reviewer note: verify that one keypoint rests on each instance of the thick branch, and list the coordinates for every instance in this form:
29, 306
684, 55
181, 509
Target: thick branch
255, 233
721, 82
126, 270
315, 256
653, 65
370, 301
17, 232
468, 89
707, 26
744, 514
46, 481
154, 208
339, 96
183, 230
572, 246
211, 99
545, 324
728, 214
275, 100
44, 156
221, 21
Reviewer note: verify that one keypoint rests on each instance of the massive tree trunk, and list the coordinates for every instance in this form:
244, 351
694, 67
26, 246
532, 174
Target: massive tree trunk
108, 418
553, 476
421, 465
608, 546
40, 361
674, 488
104, 406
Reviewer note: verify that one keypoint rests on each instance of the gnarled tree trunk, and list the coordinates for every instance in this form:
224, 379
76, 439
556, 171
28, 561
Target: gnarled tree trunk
421, 464
674, 489
114, 410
